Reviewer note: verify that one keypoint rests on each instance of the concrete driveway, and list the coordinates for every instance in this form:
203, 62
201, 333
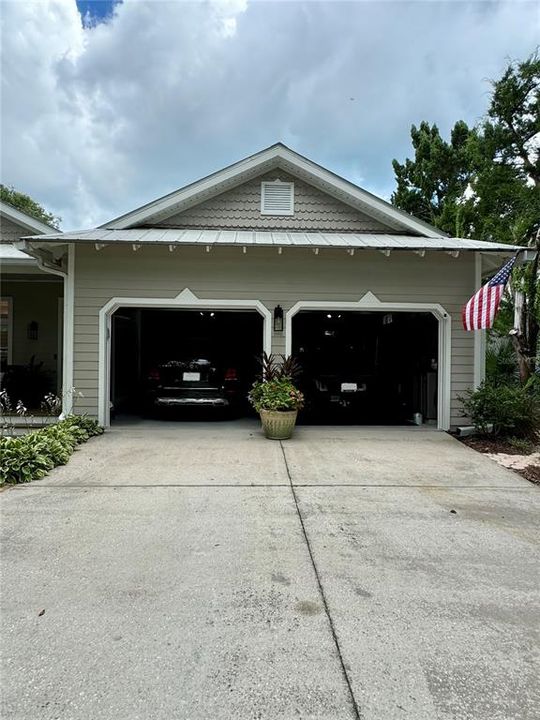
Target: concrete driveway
201, 572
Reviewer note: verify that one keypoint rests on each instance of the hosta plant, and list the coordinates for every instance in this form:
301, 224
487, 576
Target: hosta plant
31, 456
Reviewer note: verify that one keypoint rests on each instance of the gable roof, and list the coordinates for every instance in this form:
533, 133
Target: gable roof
281, 156
26, 222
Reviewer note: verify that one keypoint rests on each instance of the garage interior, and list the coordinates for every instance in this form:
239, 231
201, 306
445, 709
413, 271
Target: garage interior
357, 367
371, 368
143, 338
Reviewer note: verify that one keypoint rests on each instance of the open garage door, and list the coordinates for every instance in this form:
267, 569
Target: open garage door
174, 361
368, 367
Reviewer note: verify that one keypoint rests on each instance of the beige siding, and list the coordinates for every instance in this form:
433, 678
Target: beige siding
240, 209
10, 231
274, 279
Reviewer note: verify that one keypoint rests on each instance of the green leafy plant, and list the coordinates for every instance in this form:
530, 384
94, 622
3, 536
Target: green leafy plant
501, 363
522, 445
512, 410
23, 459
28, 205
83, 422
279, 394
278, 367
31, 456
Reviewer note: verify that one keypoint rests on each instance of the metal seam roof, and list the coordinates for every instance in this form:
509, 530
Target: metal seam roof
175, 236
10, 254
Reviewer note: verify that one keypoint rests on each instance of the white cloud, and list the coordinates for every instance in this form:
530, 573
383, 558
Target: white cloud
97, 120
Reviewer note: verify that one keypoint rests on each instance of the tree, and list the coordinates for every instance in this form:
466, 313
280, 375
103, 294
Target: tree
507, 159
25, 204
484, 183
431, 185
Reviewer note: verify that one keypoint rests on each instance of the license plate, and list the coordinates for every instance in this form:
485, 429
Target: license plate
191, 377
349, 387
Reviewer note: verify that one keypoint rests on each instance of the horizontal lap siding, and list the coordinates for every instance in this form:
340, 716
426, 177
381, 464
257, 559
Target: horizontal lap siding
262, 274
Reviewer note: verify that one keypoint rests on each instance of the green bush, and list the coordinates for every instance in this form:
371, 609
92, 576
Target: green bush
514, 411
501, 362
31, 456
278, 394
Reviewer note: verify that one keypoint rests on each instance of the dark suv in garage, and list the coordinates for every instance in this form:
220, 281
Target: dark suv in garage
193, 382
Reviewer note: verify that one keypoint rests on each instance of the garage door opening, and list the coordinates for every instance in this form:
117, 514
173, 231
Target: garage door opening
178, 363
367, 367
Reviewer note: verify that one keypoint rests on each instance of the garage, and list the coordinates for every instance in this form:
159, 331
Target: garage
368, 367
183, 363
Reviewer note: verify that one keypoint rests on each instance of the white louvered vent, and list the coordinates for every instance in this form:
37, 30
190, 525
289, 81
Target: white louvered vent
277, 198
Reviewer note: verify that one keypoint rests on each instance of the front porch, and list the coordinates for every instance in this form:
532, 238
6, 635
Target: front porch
31, 335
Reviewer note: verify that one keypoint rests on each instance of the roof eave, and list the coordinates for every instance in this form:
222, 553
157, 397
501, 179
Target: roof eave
24, 220
411, 244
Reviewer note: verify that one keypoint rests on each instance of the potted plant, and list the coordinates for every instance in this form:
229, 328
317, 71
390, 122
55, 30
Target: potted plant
276, 398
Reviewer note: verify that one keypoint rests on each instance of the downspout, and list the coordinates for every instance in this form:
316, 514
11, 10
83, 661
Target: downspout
69, 325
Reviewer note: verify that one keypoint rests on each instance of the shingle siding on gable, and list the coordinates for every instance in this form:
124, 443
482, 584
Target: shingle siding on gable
240, 208
10, 231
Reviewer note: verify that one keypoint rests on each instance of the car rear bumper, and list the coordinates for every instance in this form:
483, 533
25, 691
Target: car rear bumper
191, 402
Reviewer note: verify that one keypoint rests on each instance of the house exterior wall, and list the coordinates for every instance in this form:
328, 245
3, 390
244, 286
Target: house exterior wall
240, 208
262, 274
34, 301
10, 231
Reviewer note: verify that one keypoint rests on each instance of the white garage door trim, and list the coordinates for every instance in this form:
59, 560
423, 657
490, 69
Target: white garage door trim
370, 302
185, 300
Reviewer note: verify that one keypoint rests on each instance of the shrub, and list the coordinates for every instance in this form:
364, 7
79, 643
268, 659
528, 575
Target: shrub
512, 410
501, 362
31, 456
83, 422
278, 394
22, 459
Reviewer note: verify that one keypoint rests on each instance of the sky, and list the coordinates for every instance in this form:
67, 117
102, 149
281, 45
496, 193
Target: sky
107, 105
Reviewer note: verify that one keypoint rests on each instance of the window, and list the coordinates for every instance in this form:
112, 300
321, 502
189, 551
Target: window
277, 198
6, 325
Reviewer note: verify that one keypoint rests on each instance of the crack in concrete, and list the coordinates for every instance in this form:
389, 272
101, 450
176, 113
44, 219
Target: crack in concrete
356, 709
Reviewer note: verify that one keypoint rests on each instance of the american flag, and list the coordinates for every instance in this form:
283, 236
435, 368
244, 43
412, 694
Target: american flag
479, 313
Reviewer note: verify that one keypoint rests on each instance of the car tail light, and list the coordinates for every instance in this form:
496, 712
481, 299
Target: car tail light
230, 374
154, 375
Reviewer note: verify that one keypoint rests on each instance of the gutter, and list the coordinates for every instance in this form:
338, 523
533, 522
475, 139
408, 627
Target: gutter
46, 260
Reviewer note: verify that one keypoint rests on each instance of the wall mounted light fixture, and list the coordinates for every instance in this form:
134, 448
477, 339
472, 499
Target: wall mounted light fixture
278, 319
32, 330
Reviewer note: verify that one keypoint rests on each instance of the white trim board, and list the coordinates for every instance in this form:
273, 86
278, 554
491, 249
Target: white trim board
27, 222
68, 333
186, 300
370, 302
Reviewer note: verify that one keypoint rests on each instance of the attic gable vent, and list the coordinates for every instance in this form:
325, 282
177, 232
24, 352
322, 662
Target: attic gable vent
277, 198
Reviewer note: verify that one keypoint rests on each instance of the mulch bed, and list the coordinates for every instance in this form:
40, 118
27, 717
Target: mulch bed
500, 445
531, 472
492, 445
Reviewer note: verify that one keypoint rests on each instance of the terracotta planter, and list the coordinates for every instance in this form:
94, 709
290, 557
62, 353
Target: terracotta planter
278, 424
